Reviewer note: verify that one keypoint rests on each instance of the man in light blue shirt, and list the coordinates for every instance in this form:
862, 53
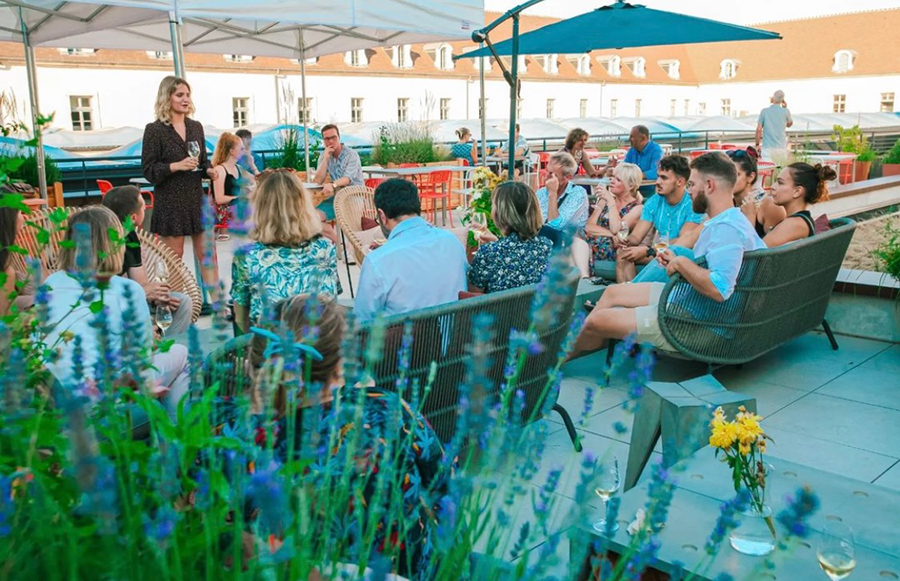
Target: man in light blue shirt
419, 266
339, 163
772, 128
633, 308
563, 204
645, 154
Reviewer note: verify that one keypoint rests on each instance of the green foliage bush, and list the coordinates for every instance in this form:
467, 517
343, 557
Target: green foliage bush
28, 171
893, 154
887, 255
406, 143
290, 152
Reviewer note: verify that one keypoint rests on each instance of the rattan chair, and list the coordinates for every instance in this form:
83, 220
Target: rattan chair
781, 293
229, 367
351, 204
179, 277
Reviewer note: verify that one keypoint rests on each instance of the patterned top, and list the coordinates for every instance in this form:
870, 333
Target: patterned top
509, 263
573, 206
415, 450
601, 246
463, 151
264, 274
346, 165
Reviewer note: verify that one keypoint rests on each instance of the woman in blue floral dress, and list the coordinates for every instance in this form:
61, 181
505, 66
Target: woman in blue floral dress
289, 257
520, 257
465, 148
389, 440
603, 225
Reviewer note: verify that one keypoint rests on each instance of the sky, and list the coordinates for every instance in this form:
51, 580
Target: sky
735, 11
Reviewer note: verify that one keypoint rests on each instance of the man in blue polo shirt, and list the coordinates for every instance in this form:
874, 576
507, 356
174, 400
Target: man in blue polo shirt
644, 153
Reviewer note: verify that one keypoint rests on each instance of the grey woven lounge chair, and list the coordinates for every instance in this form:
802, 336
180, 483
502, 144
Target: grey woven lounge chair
781, 293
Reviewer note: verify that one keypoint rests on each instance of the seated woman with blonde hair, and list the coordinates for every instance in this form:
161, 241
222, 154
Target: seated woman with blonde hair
520, 257
290, 255
619, 204
324, 410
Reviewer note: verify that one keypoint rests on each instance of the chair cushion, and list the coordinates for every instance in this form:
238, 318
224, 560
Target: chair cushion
368, 236
821, 224
368, 223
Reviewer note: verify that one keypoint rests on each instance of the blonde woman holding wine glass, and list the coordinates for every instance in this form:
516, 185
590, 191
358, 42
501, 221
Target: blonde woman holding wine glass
173, 159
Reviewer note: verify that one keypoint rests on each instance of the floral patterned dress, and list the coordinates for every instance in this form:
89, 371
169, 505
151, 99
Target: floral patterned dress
509, 263
601, 246
262, 274
392, 430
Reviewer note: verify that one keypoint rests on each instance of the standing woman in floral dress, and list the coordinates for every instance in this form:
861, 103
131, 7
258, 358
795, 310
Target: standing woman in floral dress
176, 175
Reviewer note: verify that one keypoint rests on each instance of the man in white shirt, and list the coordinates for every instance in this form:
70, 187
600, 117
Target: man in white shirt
771, 129
633, 307
419, 266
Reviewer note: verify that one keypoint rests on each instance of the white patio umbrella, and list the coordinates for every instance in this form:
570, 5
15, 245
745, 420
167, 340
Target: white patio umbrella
300, 30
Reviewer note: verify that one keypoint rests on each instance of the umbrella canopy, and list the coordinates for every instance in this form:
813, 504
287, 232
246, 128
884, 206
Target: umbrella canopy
623, 25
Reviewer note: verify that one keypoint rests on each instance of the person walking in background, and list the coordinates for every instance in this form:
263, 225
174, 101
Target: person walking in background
771, 129
466, 148
127, 202
173, 159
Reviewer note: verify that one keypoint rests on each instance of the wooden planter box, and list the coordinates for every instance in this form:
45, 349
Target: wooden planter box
890, 169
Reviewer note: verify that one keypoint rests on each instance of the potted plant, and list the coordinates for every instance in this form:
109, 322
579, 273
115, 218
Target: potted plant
853, 141
890, 163
864, 159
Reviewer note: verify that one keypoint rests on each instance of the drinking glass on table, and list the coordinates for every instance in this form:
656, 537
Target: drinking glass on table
194, 151
837, 551
606, 483
162, 315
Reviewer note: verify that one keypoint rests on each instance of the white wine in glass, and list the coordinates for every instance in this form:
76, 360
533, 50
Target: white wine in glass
194, 151
660, 242
606, 484
837, 552
478, 224
163, 317
623, 232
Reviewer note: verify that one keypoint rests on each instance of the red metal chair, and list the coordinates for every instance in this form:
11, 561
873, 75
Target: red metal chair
436, 186
374, 182
105, 185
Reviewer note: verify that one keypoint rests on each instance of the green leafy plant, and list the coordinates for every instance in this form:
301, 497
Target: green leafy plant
851, 140
28, 171
866, 154
893, 154
406, 143
887, 254
290, 152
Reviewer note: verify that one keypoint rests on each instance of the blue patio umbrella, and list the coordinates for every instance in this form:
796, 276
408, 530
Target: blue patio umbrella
619, 25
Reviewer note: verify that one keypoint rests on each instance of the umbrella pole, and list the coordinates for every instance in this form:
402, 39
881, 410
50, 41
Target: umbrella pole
483, 111
177, 44
513, 99
31, 72
303, 109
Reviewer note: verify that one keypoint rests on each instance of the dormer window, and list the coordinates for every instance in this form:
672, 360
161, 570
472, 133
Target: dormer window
356, 58
582, 64
445, 57
611, 64
728, 69
162, 55
672, 68
401, 56
238, 58
637, 66
310, 61
843, 61
77, 51
549, 63
479, 62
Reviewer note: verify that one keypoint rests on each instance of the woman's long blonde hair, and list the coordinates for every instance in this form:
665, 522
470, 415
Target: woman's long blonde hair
283, 210
226, 143
107, 257
167, 88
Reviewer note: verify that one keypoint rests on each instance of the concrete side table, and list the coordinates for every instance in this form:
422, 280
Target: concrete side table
680, 414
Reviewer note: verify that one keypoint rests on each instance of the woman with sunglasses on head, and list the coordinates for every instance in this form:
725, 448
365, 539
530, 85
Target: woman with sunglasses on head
290, 255
748, 192
798, 185
385, 438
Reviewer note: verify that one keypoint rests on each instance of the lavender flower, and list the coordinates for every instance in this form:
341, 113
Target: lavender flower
7, 509
800, 507
727, 520
267, 492
162, 525
588, 403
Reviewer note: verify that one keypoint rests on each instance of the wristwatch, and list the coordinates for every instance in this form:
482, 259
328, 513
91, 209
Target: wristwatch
651, 252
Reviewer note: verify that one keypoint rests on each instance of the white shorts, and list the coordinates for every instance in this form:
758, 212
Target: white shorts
647, 320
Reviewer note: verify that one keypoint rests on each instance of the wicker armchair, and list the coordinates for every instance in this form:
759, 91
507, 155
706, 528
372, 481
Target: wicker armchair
229, 366
180, 279
351, 204
781, 293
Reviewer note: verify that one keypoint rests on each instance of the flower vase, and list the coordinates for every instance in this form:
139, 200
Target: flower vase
755, 535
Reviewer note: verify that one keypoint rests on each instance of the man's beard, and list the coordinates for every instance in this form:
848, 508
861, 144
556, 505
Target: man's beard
700, 203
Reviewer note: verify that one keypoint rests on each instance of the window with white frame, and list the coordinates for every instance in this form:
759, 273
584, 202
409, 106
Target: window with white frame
82, 112
687, 106
613, 107
582, 108
305, 109
728, 69
701, 108
582, 64
238, 58
356, 58
887, 103
637, 66
77, 51
550, 105
549, 63
356, 110
401, 56
445, 108
240, 107
637, 107
611, 64
672, 104
444, 59
726, 107
162, 55
310, 61
840, 103
844, 60
402, 109
672, 67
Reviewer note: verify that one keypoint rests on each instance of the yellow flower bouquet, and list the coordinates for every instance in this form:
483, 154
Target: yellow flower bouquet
742, 441
483, 183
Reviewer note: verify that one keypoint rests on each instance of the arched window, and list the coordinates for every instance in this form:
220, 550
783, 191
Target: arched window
356, 58
611, 64
728, 69
672, 68
637, 66
843, 61
444, 60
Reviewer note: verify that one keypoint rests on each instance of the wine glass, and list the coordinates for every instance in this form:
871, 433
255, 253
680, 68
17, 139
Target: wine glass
478, 223
623, 232
163, 316
194, 151
660, 242
159, 272
837, 552
606, 483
